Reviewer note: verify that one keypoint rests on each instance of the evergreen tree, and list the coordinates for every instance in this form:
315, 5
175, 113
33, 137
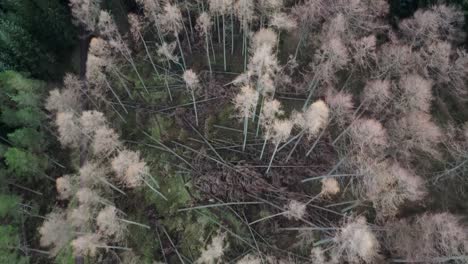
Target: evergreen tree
23, 163
35, 36
21, 118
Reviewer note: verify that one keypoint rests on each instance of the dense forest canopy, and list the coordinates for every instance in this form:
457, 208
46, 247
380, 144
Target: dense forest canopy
233, 131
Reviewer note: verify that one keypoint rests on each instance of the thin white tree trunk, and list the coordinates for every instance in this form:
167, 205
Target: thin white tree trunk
224, 42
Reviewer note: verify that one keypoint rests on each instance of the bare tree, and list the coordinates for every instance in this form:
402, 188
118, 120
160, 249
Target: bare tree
91, 120
341, 106
438, 23
85, 12
68, 128
193, 84
389, 186
429, 238
215, 250
416, 94
86, 245
280, 132
330, 58
203, 26
415, 131
245, 102
152, 9
109, 224
222, 8
64, 186
368, 137
376, 95
55, 232
108, 29
65, 99
244, 11
354, 242
364, 51
171, 21
395, 59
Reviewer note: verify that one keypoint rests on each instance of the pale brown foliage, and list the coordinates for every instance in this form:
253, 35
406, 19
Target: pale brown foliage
368, 137
270, 111
353, 19
99, 48
214, 251
66, 99
136, 26
135, 174
246, 101
458, 73
108, 29
435, 61
295, 210
316, 117
109, 224
105, 141
264, 65
250, 259
92, 120
129, 169
269, 6
355, 243
244, 11
72, 82
388, 186
264, 36
151, 9
80, 216
191, 79
282, 21
166, 50
87, 197
358, 17
415, 131
341, 106
171, 18
55, 232
317, 256
427, 238
85, 12
204, 24
107, 26
439, 23
99, 58
332, 57
123, 160
362, 16
221, 7
64, 187
68, 128
280, 131
376, 95
378, 8
90, 173
311, 13
336, 27
416, 93
330, 187
337, 50
395, 59
364, 51
56, 101
86, 245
